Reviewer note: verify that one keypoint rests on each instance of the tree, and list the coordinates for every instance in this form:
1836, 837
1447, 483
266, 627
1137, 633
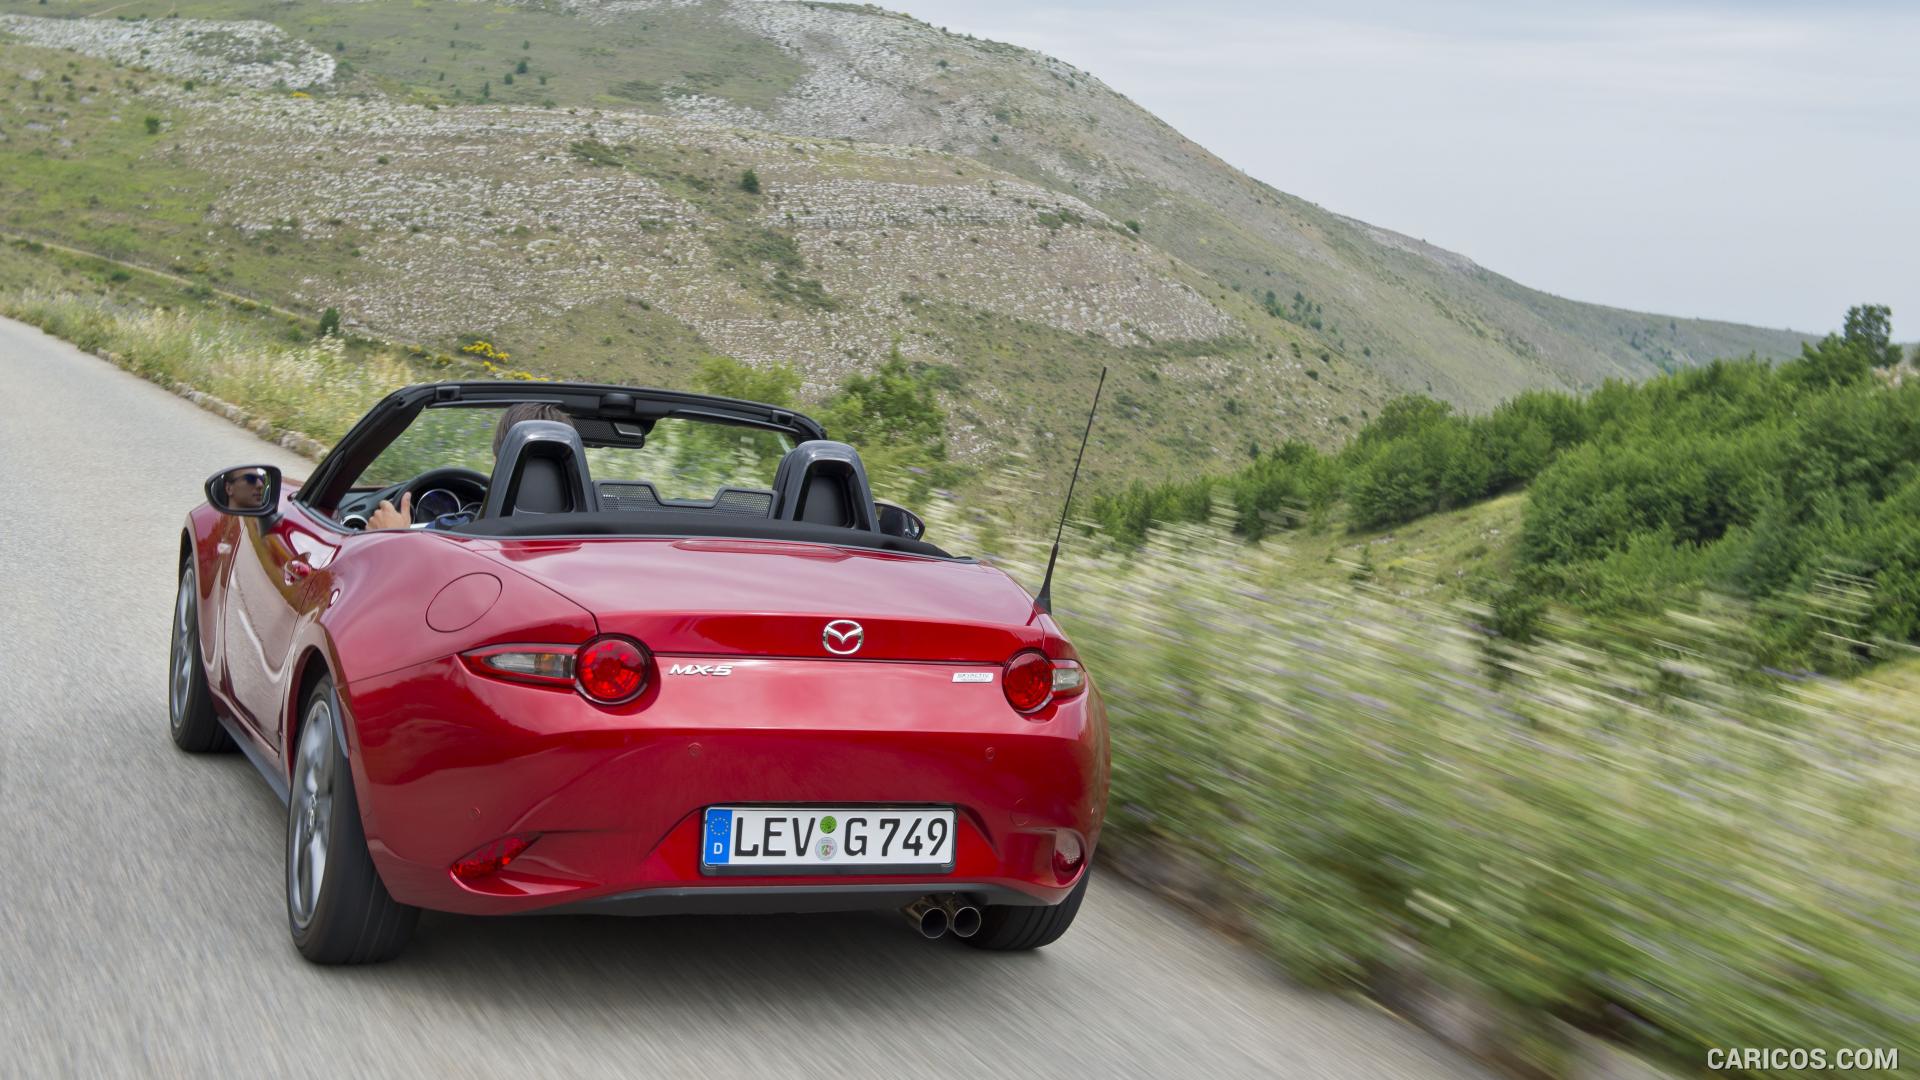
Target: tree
750, 182
726, 377
892, 407
329, 323
1869, 327
1836, 361
153, 125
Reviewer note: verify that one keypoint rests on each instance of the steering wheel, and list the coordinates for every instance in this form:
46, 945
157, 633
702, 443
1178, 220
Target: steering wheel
468, 485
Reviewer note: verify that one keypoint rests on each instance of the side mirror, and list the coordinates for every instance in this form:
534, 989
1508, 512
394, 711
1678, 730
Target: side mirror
247, 491
900, 521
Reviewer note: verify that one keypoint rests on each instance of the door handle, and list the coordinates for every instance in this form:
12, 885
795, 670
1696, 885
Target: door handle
297, 570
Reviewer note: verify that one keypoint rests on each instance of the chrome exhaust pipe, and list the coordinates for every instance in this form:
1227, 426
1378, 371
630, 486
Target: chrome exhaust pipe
927, 916
962, 917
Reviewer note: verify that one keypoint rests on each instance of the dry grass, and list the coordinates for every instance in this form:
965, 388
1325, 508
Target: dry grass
309, 387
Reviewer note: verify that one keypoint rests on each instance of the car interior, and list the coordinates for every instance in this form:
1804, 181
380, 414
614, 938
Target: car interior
542, 484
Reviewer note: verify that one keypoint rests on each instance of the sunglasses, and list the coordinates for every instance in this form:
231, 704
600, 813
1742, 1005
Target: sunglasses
251, 478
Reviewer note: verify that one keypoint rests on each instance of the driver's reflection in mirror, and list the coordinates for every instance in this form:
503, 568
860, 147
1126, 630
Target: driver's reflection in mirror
246, 489
389, 516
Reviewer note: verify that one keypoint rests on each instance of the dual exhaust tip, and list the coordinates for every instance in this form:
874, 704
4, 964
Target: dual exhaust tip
935, 916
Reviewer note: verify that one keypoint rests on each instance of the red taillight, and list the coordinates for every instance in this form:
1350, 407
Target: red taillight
490, 858
1032, 680
611, 670
1029, 681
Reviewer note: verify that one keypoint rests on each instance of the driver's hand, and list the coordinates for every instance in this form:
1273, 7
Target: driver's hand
386, 517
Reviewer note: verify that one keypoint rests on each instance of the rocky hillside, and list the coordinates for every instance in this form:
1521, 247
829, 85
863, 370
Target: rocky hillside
616, 188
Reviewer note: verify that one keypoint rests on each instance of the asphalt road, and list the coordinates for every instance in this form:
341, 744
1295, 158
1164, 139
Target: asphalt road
141, 921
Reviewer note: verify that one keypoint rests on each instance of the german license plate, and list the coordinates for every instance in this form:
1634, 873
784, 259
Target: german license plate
826, 840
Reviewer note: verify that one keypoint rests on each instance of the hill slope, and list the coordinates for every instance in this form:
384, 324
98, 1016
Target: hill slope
565, 178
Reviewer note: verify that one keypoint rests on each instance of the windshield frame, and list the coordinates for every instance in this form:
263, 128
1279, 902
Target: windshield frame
392, 415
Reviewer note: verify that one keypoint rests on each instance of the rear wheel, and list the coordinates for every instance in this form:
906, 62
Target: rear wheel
337, 907
189, 702
1005, 928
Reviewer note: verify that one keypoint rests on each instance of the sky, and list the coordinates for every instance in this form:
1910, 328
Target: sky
1754, 161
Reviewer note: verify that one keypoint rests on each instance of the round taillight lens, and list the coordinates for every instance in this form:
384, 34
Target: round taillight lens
1029, 681
611, 670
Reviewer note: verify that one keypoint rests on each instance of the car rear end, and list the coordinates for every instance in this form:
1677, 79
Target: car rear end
745, 725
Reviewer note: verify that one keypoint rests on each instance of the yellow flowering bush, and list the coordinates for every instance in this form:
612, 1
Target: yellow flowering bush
485, 350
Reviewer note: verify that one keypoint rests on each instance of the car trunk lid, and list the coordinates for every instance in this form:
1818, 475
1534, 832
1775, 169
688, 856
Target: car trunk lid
774, 598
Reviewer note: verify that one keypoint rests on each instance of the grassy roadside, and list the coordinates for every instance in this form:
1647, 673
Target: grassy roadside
1619, 830
263, 360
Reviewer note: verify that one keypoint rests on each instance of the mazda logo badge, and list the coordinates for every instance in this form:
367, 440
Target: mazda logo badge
843, 637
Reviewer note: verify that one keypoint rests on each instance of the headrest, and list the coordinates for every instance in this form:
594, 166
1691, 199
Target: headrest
823, 483
542, 469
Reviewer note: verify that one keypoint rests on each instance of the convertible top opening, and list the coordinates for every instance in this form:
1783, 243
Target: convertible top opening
672, 523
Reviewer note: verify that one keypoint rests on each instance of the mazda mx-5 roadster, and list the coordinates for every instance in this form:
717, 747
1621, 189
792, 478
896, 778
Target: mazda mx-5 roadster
546, 647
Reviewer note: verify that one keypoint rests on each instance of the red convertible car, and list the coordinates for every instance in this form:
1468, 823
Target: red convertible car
628, 651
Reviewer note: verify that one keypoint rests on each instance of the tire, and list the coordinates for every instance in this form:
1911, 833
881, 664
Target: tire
338, 910
1006, 928
190, 716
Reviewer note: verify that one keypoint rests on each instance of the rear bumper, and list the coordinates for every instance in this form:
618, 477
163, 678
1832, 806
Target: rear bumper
445, 761
784, 899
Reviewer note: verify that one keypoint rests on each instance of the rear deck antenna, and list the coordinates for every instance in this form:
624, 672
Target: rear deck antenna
1044, 601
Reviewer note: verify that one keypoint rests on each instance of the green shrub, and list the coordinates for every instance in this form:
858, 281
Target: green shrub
771, 385
1759, 481
1764, 482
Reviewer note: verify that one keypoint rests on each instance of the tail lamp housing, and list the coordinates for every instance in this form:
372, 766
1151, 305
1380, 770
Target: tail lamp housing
608, 670
1034, 680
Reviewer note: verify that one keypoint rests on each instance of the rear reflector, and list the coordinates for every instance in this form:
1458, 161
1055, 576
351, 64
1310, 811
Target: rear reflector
490, 859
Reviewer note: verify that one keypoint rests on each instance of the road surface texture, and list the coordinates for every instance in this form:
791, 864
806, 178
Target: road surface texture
142, 927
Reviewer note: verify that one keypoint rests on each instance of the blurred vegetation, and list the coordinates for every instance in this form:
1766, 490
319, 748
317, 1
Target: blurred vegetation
894, 417
1615, 828
1759, 481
